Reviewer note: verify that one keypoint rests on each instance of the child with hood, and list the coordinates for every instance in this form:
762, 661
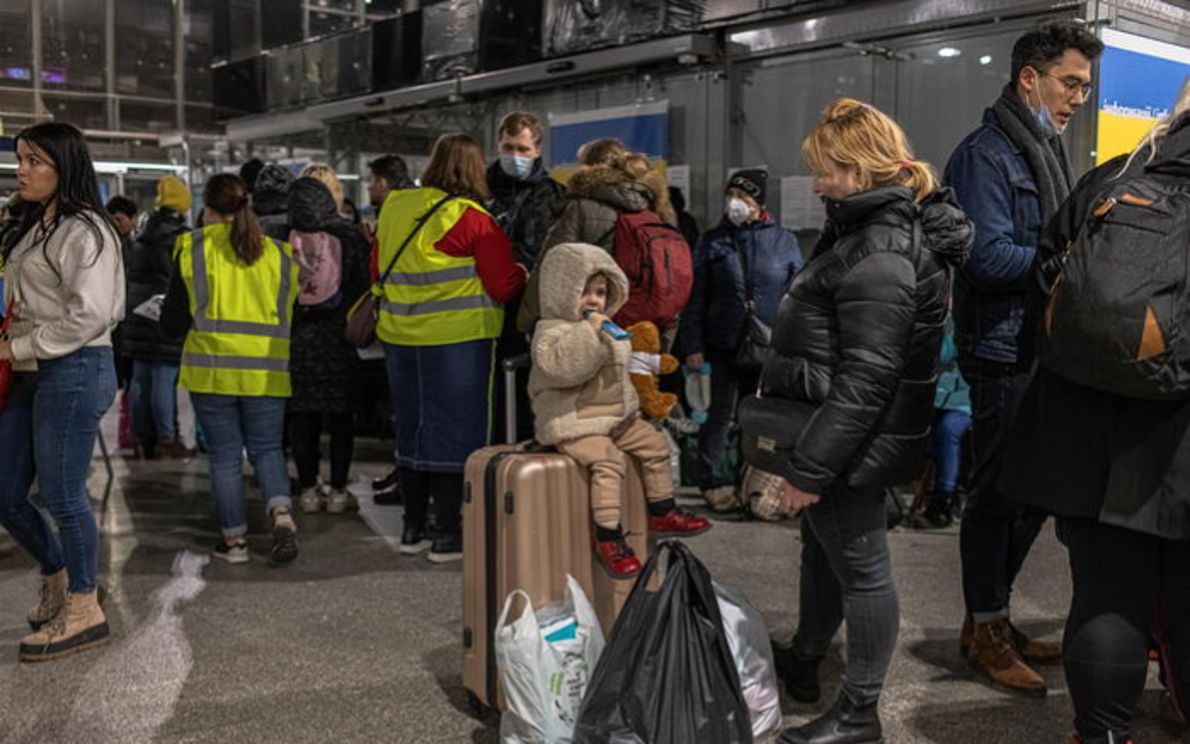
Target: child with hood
586, 406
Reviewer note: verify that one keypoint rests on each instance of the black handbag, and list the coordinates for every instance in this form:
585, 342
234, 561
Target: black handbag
770, 429
757, 336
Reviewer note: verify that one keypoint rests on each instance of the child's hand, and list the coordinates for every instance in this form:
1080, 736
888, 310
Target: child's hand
596, 320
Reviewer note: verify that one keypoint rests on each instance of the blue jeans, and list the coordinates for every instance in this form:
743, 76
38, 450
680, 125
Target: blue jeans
154, 400
846, 574
233, 424
948, 448
52, 419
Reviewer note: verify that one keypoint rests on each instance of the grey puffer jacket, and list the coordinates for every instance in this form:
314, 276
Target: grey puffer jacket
858, 335
595, 198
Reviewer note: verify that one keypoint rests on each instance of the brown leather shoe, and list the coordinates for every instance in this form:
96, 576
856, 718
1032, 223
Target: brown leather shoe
1035, 652
994, 654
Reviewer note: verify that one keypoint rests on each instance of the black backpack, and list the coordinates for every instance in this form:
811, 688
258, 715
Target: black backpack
1118, 315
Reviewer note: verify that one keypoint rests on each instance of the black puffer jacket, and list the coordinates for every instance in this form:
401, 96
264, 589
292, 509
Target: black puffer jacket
858, 335
149, 267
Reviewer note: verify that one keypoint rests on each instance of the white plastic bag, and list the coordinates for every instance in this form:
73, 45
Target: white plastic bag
698, 392
752, 651
544, 680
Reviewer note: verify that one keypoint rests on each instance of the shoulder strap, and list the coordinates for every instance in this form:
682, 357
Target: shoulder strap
417, 226
749, 302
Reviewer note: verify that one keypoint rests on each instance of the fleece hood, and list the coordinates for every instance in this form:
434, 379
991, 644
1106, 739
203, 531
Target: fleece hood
565, 272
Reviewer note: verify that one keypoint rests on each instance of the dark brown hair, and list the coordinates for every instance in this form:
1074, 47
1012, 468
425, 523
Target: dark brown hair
512, 125
227, 194
457, 167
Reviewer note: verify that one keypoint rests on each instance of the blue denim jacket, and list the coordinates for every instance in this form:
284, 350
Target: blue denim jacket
996, 188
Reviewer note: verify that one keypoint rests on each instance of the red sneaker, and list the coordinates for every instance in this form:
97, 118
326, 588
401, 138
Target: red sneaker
617, 558
678, 523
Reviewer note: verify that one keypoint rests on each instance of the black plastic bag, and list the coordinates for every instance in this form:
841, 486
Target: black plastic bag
667, 675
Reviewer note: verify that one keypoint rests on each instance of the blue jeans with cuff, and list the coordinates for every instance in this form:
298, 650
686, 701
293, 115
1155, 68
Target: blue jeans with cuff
233, 424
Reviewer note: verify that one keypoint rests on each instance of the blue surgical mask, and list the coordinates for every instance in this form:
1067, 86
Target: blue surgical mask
516, 166
1044, 118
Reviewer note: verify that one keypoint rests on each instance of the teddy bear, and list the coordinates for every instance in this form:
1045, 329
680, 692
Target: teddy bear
647, 362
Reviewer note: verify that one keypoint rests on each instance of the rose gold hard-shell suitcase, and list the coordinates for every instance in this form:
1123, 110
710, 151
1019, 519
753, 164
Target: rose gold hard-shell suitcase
526, 525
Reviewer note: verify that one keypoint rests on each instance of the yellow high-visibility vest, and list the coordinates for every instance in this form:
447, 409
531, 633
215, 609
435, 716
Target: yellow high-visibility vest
430, 298
239, 341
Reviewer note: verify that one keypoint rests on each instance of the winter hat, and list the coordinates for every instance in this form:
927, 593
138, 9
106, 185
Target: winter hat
753, 182
273, 179
172, 193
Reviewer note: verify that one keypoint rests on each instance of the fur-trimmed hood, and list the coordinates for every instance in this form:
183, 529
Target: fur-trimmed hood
621, 191
565, 272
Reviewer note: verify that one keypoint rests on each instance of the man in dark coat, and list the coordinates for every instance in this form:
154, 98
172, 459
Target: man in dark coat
1010, 175
526, 202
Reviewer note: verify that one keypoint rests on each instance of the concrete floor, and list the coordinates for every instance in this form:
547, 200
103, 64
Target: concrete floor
354, 643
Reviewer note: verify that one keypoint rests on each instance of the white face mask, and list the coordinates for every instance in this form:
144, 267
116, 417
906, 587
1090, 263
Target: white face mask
737, 210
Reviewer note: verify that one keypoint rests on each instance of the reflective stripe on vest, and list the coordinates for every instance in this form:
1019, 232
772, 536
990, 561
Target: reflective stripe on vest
239, 342
430, 298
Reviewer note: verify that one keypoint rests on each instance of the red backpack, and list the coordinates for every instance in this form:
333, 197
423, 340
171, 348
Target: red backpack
656, 259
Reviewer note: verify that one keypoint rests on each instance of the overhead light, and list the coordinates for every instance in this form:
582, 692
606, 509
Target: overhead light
948, 52
121, 166
985, 59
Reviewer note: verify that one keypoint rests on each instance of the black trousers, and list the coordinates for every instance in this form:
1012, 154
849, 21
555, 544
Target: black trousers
1122, 580
305, 430
997, 532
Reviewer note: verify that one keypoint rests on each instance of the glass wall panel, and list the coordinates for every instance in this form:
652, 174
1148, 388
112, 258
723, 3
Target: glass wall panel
84, 113
199, 28
73, 47
16, 44
145, 48
200, 119
138, 116
322, 24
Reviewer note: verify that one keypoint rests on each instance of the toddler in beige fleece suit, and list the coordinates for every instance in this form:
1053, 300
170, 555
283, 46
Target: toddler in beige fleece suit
584, 401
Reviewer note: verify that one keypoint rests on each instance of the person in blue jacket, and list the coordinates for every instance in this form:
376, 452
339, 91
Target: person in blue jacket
952, 421
746, 246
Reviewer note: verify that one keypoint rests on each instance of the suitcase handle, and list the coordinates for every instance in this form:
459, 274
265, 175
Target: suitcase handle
511, 365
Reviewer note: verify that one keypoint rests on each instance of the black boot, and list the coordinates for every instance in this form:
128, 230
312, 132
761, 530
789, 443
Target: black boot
844, 723
799, 675
938, 514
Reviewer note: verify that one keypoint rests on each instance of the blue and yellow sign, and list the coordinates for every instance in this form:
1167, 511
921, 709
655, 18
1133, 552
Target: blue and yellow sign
1139, 80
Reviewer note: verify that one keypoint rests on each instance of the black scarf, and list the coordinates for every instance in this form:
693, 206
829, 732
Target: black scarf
1046, 156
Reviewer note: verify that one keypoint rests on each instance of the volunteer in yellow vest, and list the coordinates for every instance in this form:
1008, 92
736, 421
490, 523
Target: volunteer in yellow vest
439, 320
233, 294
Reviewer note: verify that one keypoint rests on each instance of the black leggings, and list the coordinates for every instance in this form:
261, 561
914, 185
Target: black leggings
1122, 578
305, 430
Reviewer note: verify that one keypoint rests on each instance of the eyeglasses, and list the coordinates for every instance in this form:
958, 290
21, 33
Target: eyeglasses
1072, 86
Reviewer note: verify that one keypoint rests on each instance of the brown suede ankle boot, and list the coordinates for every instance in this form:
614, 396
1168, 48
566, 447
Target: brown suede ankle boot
995, 655
79, 626
53, 598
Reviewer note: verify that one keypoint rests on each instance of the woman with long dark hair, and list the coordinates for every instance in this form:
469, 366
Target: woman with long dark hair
232, 295
65, 288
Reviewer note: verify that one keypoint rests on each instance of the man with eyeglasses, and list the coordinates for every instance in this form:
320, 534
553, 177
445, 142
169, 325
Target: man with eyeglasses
1010, 175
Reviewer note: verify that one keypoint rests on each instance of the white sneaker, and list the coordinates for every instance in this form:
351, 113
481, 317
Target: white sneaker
340, 500
311, 501
236, 553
